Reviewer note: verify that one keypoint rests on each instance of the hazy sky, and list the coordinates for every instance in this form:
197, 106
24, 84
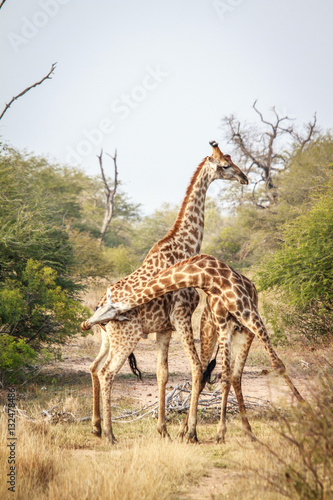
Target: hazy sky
154, 78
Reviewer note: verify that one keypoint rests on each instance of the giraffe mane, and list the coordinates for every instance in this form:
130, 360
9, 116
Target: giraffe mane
182, 209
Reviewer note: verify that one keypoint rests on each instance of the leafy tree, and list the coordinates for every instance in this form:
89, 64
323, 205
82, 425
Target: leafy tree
262, 150
153, 228
251, 232
301, 269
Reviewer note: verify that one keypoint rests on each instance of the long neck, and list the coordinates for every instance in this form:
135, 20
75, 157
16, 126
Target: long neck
185, 274
187, 232
185, 237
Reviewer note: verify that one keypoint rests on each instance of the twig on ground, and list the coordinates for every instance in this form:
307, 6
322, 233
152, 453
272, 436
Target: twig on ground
176, 401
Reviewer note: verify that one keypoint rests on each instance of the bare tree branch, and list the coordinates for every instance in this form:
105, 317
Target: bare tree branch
109, 194
311, 131
1, 4
46, 77
261, 151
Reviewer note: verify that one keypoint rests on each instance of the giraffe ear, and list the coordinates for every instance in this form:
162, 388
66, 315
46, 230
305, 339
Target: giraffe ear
108, 296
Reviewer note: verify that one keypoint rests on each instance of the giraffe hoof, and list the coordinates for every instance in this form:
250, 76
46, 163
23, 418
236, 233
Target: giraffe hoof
219, 439
111, 439
165, 435
162, 430
192, 439
97, 433
181, 436
182, 432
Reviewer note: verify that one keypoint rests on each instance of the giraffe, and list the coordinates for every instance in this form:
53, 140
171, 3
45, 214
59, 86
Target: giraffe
165, 314
233, 305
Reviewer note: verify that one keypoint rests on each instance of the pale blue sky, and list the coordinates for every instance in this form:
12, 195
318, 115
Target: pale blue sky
155, 77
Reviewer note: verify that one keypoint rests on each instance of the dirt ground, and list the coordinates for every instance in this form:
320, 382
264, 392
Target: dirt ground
258, 381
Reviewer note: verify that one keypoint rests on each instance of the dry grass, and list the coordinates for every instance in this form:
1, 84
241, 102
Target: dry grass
50, 468
65, 461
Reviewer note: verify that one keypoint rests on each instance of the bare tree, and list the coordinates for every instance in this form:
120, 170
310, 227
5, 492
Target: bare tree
109, 194
261, 150
1, 3
46, 77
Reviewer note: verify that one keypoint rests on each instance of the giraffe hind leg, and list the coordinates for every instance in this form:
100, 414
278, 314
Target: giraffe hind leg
225, 332
255, 324
241, 343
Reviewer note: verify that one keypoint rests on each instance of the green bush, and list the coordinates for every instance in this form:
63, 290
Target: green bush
301, 269
15, 356
37, 313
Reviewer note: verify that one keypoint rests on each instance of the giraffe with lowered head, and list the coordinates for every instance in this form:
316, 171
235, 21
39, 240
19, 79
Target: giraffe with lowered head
232, 303
165, 314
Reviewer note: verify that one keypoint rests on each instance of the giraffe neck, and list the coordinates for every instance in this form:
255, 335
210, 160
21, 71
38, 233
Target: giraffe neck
185, 237
185, 274
187, 232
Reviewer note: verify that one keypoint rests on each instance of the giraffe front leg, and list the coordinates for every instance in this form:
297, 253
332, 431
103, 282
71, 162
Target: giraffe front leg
184, 327
208, 338
162, 343
106, 377
123, 340
224, 343
94, 368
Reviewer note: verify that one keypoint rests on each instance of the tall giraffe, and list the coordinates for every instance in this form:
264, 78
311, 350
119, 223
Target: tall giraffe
232, 302
172, 312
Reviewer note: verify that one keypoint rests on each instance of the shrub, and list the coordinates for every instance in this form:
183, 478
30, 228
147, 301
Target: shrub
299, 465
14, 356
35, 311
301, 270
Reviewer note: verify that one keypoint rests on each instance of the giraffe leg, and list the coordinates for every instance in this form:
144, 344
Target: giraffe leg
253, 322
191, 424
162, 343
106, 375
123, 338
94, 368
208, 338
225, 344
182, 322
241, 343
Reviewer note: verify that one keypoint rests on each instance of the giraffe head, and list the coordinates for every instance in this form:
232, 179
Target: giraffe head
107, 312
224, 167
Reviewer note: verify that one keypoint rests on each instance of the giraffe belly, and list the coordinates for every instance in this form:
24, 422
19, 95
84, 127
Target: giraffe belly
155, 316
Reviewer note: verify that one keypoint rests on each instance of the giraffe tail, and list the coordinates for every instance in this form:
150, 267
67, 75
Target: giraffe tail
134, 366
206, 377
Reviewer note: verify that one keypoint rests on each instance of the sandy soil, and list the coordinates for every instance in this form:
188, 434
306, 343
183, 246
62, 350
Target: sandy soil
258, 381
